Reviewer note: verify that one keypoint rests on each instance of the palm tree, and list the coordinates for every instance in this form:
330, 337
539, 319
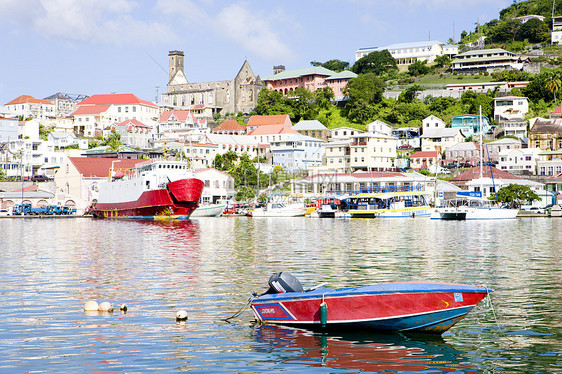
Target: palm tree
554, 83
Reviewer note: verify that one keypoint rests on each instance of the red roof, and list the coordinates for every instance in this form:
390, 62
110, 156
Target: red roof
276, 119
272, 130
180, 115
90, 110
100, 167
24, 99
557, 110
229, 125
114, 99
474, 173
419, 154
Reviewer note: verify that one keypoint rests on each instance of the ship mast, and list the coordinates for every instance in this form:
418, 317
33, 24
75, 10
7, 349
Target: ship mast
480, 128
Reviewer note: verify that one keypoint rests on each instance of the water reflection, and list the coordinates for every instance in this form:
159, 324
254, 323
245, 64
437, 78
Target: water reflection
374, 353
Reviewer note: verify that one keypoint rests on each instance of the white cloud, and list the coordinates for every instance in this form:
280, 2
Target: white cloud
96, 21
253, 32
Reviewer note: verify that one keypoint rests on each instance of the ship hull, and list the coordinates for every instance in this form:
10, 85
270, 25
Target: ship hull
176, 201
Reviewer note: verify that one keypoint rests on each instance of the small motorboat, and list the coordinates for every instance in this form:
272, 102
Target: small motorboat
427, 307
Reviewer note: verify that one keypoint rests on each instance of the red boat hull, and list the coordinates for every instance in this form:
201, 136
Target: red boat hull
178, 200
422, 307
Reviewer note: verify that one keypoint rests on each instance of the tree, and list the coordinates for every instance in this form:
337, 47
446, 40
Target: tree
272, 102
363, 93
442, 61
514, 194
113, 141
409, 94
334, 65
377, 62
418, 68
535, 30
554, 83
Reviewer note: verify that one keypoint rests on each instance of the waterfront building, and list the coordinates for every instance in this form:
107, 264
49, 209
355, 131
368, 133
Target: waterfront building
313, 78
26, 106
372, 151
408, 53
313, 128
239, 94
99, 112
219, 186
341, 185
485, 60
297, 153
470, 124
492, 180
230, 127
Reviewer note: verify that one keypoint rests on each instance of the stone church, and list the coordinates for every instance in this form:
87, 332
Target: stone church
230, 96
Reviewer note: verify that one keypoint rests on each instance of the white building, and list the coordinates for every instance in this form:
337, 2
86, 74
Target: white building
485, 60
408, 53
8, 129
372, 151
219, 186
237, 143
134, 133
408, 137
297, 153
337, 156
202, 155
66, 139
99, 112
433, 122
341, 133
556, 33
524, 159
181, 125
27, 106
379, 127
509, 107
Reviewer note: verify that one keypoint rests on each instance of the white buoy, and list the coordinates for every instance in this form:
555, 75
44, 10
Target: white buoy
91, 305
106, 307
181, 315
123, 307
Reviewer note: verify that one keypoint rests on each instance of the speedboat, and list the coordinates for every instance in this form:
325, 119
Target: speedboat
279, 210
472, 208
427, 307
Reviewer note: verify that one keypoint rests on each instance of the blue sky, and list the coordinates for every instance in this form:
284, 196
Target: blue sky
105, 46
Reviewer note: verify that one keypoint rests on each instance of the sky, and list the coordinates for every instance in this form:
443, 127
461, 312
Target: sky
121, 46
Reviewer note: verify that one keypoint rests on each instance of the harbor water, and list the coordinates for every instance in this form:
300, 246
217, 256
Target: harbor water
210, 266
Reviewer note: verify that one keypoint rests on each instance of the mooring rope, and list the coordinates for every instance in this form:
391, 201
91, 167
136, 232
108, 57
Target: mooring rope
496, 317
240, 311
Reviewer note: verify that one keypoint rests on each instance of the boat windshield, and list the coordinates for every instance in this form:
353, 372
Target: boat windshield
465, 202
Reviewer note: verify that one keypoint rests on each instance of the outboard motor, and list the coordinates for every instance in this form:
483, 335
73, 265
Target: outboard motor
283, 282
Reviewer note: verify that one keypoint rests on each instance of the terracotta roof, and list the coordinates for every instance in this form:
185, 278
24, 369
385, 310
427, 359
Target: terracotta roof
99, 167
276, 119
90, 110
229, 125
272, 130
114, 99
474, 173
24, 99
424, 154
132, 122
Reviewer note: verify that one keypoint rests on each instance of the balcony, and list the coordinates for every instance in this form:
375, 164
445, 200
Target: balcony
358, 143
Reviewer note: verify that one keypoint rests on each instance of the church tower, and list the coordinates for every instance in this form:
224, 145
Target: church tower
176, 63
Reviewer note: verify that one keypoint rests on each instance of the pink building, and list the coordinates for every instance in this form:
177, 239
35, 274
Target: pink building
314, 78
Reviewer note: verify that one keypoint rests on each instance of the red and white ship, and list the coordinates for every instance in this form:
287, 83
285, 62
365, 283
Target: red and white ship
152, 190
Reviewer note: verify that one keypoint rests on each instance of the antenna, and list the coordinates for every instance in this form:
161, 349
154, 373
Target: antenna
156, 98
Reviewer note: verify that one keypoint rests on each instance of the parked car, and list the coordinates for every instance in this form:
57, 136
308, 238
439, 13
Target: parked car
465, 165
452, 165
